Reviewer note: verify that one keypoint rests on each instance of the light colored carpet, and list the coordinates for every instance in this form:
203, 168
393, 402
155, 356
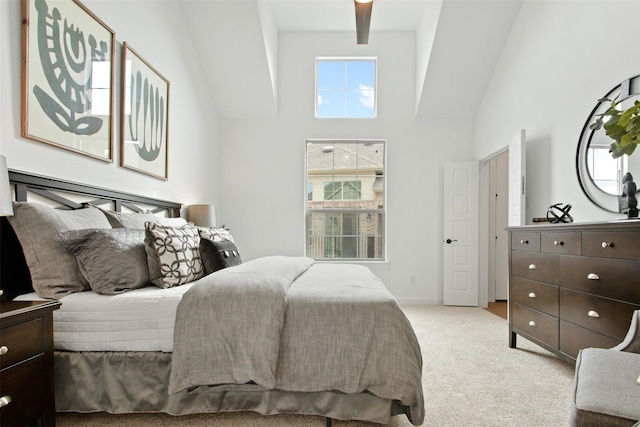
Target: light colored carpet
470, 378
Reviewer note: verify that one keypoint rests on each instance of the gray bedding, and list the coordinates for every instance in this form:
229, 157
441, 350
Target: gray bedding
286, 323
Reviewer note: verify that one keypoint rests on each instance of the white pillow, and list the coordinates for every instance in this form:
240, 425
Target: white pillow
172, 222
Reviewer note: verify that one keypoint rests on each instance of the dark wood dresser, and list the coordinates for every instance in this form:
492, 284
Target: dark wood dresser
26, 363
573, 286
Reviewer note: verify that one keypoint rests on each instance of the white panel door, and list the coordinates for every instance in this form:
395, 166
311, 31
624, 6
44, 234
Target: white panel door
461, 233
517, 174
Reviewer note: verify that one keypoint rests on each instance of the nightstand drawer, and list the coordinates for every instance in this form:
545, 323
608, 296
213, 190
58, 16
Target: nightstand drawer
611, 244
24, 384
568, 243
574, 338
534, 266
525, 241
536, 295
612, 278
21, 342
602, 315
535, 324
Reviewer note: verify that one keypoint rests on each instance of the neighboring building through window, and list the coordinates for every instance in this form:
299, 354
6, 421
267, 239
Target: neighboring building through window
345, 208
345, 87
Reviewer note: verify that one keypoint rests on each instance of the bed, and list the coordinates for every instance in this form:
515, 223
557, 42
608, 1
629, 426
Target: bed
272, 335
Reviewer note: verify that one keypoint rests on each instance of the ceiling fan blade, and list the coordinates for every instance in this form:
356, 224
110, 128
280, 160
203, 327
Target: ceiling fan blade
363, 19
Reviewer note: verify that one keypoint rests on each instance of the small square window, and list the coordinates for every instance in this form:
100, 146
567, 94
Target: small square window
345, 87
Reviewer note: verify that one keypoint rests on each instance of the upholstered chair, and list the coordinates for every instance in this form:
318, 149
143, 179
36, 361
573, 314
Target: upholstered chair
606, 386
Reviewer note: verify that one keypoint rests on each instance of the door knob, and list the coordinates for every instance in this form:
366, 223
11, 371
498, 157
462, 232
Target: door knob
450, 240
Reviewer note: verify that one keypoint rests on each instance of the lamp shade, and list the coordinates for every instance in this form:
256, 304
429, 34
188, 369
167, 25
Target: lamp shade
202, 215
6, 208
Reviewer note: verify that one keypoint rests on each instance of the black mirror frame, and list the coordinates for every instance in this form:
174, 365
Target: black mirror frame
626, 89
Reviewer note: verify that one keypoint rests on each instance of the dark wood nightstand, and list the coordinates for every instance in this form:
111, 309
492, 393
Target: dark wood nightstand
26, 363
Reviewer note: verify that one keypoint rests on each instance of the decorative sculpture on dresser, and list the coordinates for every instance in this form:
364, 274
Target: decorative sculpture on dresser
627, 201
558, 213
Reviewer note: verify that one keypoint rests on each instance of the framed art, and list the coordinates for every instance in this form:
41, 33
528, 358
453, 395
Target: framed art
67, 77
144, 122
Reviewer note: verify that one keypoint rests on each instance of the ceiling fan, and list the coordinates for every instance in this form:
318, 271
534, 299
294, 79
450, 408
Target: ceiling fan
363, 19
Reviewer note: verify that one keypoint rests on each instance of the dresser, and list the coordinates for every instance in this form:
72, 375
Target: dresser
573, 286
26, 363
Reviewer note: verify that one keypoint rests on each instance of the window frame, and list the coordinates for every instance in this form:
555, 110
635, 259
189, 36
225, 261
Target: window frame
374, 59
341, 210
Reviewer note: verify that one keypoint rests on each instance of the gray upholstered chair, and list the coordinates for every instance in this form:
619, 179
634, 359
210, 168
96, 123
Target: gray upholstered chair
606, 387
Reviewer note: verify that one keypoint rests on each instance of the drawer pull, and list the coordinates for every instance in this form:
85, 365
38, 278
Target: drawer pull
532, 295
524, 242
607, 245
4, 350
532, 323
593, 313
5, 400
593, 276
558, 243
532, 267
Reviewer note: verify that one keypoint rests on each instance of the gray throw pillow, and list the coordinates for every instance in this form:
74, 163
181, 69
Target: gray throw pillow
128, 220
173, 254
113, 261
54, 270
218, 254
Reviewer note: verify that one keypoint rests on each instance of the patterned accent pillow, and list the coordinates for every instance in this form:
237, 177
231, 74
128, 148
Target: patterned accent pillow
215, 234
173, 254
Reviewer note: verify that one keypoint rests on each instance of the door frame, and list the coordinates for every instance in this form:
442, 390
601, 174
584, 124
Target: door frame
483, 237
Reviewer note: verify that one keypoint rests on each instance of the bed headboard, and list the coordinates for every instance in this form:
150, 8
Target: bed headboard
14, 274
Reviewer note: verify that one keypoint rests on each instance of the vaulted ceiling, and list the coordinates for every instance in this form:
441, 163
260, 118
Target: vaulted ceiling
458, 43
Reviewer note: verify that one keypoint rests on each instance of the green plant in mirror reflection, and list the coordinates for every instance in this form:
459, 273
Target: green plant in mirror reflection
623, 126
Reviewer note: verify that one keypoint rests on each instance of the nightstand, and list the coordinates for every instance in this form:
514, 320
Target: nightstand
26, 363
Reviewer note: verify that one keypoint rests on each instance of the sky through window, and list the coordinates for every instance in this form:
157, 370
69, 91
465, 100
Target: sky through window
346, 88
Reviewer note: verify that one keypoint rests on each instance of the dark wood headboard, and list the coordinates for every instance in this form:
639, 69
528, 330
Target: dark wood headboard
14, 274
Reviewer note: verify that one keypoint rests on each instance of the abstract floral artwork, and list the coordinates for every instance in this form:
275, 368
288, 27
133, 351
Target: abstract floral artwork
144, 116
67, 77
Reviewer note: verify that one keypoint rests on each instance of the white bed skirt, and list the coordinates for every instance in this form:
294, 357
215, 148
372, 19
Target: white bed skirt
129, 382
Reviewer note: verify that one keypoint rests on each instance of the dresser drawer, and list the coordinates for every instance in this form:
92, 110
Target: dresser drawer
21, 342
525, 241
574, 338
612, 278
606, 316
569, 243
611, 244
536, 324
25, 385
536, 295
534, 266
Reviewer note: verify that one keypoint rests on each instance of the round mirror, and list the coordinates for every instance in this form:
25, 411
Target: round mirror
599, 174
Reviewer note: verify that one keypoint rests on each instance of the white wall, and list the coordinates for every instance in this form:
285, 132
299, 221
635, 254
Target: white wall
263, 185
149, 27
561, 57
